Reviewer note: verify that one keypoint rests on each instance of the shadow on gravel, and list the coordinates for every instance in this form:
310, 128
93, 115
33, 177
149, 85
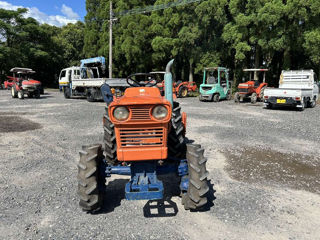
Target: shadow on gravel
267, 166
9, 123
114, 193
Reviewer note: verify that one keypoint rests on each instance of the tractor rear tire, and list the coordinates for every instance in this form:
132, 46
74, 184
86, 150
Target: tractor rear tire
195, 197
216, 97
312, 103
176, 140
14, 92
183, 92
90, 180
237, 97
36, 94
109, 140
253, 98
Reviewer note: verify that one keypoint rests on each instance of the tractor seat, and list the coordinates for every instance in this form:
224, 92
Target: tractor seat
256, 83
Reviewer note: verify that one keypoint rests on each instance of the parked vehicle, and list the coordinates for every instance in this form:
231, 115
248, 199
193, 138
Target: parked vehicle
216, 85
254, 88
144, 136
8, 83
87, 80
180, 89
24, 84
297, 88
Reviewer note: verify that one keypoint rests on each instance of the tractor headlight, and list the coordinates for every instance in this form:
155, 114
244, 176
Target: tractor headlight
121, 113
160, 112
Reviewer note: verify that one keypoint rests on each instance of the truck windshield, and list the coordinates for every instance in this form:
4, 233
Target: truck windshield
62, 74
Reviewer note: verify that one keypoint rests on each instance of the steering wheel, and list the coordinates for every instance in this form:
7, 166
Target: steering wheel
135, 83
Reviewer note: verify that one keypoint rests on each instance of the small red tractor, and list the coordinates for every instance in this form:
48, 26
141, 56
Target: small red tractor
180, 89
144, 136
252, 89
8, 83
23, 84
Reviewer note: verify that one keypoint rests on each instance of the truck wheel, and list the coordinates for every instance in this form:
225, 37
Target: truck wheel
236, 97
91, 95
90, 181
109, 140
21, 94
67, 92
176, 141
14, 93
253, 98
269, 106
216, 97
195, 197
312, 103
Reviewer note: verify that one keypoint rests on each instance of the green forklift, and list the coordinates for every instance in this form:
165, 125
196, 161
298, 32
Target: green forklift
216, 85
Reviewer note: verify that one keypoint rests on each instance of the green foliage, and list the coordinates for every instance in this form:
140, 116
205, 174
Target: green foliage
44, 48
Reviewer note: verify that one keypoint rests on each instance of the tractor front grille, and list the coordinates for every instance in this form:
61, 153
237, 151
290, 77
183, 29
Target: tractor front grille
141, 137
243, 90
140, 113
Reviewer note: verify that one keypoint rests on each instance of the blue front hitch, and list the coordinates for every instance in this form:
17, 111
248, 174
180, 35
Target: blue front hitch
144, 184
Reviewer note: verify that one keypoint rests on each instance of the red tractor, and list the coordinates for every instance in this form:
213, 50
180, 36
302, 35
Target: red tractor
180, 89
144, 136
254, 88
23, 84
8, 83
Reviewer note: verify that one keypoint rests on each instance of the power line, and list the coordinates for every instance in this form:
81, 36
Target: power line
152, 8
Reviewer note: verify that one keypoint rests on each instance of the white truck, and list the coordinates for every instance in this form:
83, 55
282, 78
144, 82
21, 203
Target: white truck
297, 88
87, 79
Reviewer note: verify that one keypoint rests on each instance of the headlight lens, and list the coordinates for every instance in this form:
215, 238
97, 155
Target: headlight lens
160, 112
121, 113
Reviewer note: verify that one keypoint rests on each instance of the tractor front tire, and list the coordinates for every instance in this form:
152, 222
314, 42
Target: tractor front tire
36, 94
90, 180
14, 92
21, 94
195, 197
109, 140
176, 140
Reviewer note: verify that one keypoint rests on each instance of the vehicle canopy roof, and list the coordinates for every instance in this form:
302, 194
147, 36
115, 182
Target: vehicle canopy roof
215, 68
255, 70
22, 70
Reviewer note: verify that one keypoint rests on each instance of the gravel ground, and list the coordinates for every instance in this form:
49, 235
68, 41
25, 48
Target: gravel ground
264, 169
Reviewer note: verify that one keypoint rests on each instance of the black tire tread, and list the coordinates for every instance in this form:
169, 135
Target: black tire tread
90, 181
195, 197
109, 140
176, 140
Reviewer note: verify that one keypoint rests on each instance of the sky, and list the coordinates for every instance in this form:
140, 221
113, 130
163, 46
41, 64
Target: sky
53, 12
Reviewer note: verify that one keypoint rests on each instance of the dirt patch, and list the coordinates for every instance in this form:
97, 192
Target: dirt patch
16, 124
14, 113
270, 167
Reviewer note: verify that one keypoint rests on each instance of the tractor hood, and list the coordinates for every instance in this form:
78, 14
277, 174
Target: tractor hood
141, 95
30, 82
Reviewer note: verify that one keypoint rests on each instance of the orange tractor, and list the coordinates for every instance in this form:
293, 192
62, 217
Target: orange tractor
180, 89
254, 88
144, 136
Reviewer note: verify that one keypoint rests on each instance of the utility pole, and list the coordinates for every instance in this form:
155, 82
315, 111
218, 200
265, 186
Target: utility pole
110, 40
